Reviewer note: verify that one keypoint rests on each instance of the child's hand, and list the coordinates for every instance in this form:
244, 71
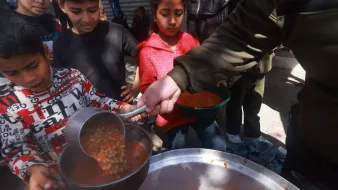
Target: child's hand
127, 108
127, 94
42, 178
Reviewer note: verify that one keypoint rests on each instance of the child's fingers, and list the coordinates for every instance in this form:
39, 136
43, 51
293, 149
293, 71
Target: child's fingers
126, 92
35, 187
61, 183
136, 118
127, 98
41, 183
57, 181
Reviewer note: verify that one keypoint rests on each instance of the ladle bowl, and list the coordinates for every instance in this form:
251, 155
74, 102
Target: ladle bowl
89, 117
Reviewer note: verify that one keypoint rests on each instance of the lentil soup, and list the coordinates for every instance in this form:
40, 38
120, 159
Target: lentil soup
115, 157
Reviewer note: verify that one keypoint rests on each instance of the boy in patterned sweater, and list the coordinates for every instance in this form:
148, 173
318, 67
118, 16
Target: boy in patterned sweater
36, 104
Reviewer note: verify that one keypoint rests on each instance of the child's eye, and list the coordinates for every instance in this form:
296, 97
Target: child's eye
11, 73
76, 12
92, 11
34, 65
179, 13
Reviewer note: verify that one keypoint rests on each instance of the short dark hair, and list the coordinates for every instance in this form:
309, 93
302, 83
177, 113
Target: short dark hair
142, 9
17, 36
77, 1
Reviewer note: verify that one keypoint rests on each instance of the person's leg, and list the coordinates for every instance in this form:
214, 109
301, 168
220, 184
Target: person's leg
221, 118
177, 137
234, 106
251, 107
304, 168
209, 134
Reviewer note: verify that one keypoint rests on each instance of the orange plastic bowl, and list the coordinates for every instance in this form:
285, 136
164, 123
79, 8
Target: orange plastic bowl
204, 103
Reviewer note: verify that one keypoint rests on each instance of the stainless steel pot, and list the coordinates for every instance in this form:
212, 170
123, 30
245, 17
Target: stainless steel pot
202, 169
89, 117
131, 182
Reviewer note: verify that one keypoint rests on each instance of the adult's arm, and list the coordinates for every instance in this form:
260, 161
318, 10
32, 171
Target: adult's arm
250, 32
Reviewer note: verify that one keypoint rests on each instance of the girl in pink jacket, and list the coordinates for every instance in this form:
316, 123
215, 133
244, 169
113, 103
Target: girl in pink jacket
156, 59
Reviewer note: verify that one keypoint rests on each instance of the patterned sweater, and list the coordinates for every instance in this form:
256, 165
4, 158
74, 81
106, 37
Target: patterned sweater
32, 124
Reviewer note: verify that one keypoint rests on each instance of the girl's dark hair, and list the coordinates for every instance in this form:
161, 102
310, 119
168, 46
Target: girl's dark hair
17, 36
154, 6
79, 1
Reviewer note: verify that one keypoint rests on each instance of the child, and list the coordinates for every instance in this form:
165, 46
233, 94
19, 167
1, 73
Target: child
34, 12
156, 59
97, 48
35, 106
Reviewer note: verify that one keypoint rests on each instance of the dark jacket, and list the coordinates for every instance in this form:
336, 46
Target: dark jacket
204, 16
256, 27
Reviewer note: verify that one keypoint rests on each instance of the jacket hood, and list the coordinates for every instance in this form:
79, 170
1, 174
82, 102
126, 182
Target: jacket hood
155, 41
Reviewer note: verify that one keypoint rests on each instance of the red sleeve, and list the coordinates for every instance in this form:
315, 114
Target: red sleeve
147, 71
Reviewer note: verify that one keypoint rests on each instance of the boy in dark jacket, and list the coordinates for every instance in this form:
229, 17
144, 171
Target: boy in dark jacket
96, 48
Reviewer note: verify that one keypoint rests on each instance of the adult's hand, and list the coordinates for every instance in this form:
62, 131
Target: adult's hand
160, 97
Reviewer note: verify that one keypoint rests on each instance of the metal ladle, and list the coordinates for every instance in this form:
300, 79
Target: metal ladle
90, 117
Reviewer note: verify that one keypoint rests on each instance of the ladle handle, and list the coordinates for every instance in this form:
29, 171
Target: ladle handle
132, 113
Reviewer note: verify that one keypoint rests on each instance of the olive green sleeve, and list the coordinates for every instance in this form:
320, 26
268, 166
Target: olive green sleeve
237, 45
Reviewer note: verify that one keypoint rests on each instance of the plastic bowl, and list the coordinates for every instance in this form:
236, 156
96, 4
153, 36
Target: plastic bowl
206, 112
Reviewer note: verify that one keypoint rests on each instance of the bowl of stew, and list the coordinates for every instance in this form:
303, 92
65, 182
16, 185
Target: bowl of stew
203, 104
116, 162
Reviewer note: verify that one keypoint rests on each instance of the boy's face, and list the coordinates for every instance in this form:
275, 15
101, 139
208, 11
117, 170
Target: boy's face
33, 7
84, 15
30, 71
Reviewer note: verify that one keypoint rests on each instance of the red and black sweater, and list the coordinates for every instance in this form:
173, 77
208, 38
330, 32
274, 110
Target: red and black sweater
32, 124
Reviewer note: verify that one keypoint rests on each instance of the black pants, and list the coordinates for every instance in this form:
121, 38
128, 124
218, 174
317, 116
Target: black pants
244, 93
303, 167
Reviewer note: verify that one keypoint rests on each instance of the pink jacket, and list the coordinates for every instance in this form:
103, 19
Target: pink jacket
155, 61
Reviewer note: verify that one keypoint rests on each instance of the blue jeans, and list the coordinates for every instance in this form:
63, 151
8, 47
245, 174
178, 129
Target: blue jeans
206, 130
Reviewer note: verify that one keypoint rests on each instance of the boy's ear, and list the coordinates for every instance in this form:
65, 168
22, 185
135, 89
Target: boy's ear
61, 6
46, 51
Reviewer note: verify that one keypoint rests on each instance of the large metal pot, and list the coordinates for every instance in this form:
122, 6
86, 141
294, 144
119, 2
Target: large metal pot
131, 182
202, 169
